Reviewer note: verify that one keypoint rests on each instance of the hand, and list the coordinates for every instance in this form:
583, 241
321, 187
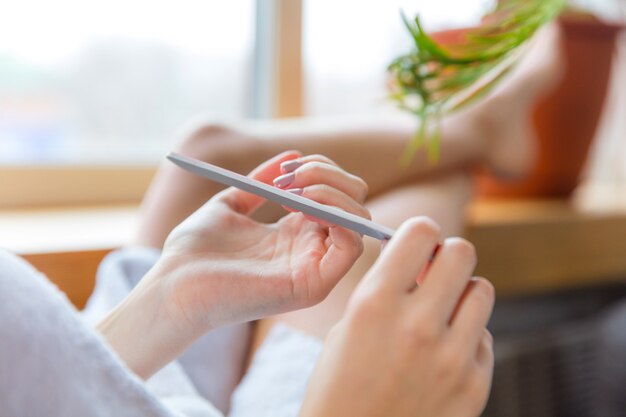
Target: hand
219, 266
407, 351
223, 267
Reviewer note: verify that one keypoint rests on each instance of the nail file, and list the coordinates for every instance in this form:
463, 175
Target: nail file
330, 214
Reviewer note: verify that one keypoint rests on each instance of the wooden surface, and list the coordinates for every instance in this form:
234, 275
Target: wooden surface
72, 272
524, 247
47, 186
538, 247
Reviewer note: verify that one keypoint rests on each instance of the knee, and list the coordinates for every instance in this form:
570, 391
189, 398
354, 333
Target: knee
223, 144
201, 140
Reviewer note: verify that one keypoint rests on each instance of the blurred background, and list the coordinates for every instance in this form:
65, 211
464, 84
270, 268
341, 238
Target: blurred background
94, 93
112, 81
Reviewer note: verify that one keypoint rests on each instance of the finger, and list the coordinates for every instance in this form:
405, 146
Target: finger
345, 248
447, 278
329, 196
326, 195
290, 166
406, 254
484, 356
473, 312
244, 202
316, 172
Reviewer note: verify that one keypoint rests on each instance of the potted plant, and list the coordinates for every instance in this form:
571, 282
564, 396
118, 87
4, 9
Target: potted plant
566, 120
451, 69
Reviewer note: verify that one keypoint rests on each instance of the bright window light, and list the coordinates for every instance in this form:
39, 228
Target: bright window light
112, 80
349, 43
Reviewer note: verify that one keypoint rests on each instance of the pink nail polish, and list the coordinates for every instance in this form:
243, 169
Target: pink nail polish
296, 191
284, 180
290, 166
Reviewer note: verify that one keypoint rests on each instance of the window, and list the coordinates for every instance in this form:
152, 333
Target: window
110, 81
348, 45
90, 86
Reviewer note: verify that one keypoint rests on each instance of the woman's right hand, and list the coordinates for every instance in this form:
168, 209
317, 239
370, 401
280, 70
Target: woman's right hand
407, 351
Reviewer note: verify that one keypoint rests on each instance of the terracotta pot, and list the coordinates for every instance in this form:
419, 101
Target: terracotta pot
566, 121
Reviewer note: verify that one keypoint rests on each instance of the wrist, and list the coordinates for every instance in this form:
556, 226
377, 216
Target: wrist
142, 330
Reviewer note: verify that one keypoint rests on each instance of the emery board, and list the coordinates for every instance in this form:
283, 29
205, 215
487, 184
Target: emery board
323, 212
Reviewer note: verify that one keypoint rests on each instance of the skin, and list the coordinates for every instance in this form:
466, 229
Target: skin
494, 133
403, 350
220, 267
426, 347
427, 350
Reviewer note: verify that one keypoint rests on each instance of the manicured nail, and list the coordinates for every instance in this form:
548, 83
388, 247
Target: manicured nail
296, 191
290, 166
284, 180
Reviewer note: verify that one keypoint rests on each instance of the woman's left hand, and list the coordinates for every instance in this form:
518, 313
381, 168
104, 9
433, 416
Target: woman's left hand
219, 266
223, 267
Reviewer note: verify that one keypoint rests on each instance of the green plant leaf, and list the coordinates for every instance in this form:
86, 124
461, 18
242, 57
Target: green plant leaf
436, 78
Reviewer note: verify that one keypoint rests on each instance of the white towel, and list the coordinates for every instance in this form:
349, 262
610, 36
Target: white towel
51, 364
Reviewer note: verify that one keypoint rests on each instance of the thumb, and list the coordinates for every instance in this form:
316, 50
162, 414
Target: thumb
246, 203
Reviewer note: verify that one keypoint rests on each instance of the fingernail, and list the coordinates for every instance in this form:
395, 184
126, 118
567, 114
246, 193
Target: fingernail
290, 166
296, 191
284, 180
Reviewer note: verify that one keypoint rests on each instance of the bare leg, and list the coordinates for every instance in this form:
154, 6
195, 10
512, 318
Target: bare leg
495, 132
444, 199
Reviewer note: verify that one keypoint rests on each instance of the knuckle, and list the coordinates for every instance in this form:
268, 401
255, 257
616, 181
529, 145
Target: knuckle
365, 306
462, 249
423, 226
316, 191
321, 159
428, 333
363, 188
311, 169
454, 365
